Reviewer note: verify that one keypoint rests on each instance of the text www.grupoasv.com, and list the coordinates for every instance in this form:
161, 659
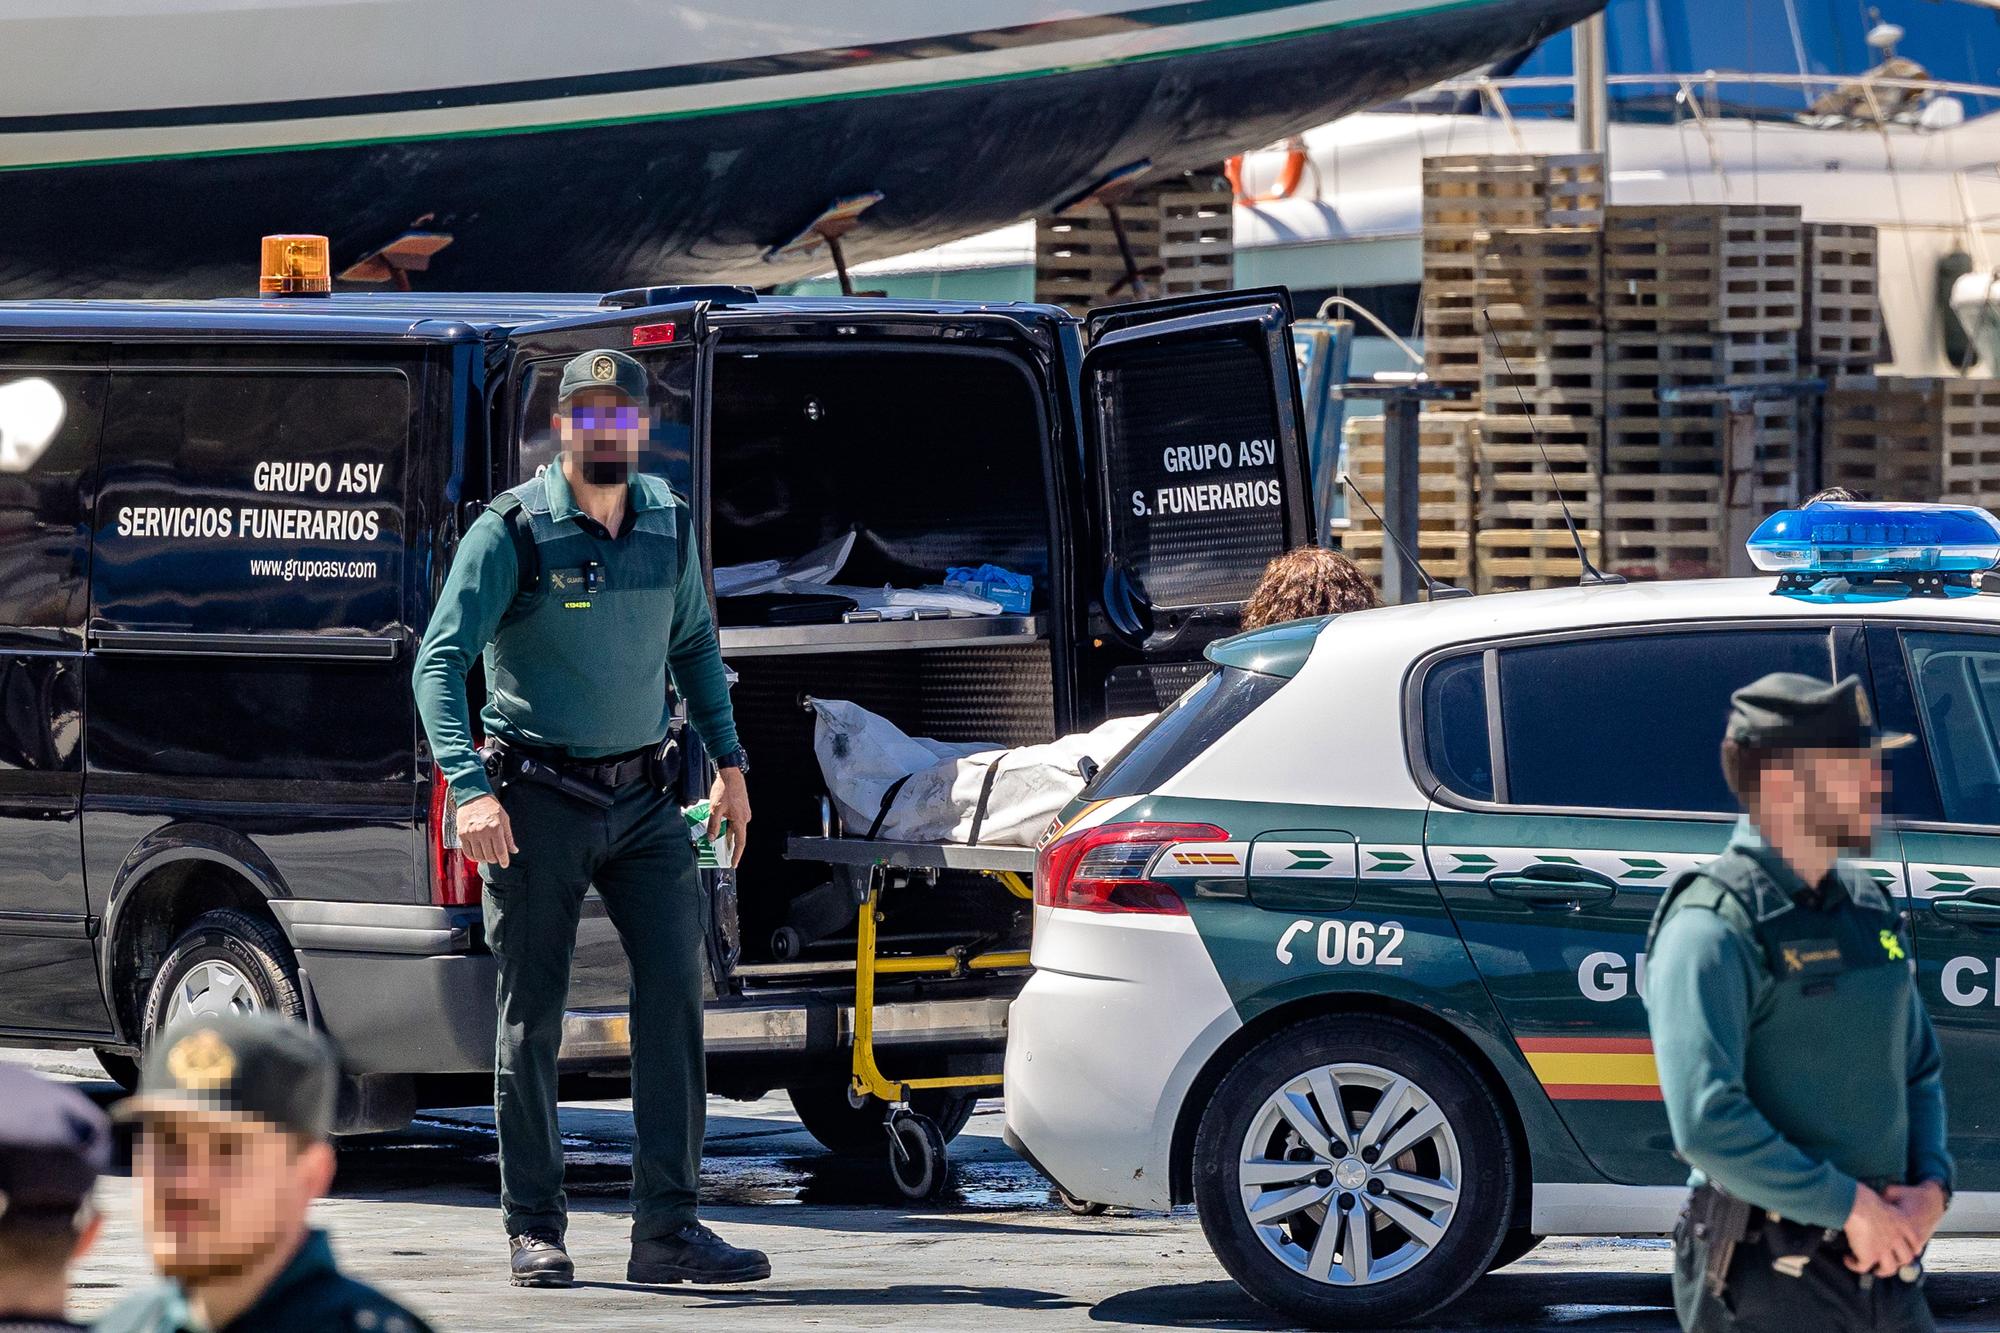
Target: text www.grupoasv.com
312, 569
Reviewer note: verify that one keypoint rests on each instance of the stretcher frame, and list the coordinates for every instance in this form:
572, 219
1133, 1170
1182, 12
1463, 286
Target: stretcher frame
879, 865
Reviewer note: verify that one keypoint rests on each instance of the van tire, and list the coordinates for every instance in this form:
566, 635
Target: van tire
850, 1131
253, 949
1383, 1048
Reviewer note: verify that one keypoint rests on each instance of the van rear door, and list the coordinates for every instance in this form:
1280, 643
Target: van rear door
666, 340
1196, 460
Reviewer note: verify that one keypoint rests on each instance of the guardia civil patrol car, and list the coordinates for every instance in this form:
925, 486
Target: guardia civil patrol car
1347, 948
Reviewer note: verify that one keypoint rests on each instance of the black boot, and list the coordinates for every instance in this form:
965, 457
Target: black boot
537, 1259
694, 1254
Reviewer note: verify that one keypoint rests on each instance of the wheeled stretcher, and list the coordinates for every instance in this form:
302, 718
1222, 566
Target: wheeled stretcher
917, 1154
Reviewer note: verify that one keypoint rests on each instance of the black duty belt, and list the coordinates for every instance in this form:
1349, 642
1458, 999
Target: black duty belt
592, 780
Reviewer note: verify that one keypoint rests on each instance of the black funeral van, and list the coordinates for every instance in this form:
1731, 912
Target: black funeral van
223, 523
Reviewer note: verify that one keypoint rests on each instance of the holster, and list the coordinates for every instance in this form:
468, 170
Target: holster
1721, 1222
665, 765
505, 764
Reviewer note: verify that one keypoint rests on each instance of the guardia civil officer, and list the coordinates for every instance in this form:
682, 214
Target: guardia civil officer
54, 1143
577, 673
1800, 1072
233, 1112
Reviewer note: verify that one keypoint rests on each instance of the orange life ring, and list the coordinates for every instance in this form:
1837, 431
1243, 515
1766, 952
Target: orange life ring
1289, 175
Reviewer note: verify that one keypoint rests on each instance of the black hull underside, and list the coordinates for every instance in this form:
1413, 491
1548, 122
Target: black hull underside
701, 198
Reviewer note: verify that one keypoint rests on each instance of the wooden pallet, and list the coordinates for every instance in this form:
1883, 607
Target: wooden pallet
1182, 224
1895, 437
1644, 434
1843, 312
1720, 268
1447, 446
1466, 199
1508, 559
1524, 485
1665, 526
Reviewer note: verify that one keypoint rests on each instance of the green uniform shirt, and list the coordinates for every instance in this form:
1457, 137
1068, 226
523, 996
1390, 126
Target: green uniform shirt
583, 668
308, 1296
1795, 1055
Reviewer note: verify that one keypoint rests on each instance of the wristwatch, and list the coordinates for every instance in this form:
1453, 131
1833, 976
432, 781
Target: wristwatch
738, 759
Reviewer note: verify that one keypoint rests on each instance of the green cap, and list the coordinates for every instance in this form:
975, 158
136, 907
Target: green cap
603, 369
1788, 711
239, 1067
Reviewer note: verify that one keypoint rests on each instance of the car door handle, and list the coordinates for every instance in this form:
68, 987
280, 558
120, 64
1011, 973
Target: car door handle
1547, 888
1964, 909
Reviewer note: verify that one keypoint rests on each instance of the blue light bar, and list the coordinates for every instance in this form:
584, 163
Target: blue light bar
1877, 540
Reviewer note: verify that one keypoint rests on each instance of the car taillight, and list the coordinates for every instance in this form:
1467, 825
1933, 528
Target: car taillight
454, 877
1103, 869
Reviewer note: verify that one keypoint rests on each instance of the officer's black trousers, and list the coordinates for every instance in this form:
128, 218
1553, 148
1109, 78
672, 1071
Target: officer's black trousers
638, 855
1826, 1298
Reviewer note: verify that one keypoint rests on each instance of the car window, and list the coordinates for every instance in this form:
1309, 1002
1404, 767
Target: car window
48, 442
247, 500
1189, 725
1957, 678
1456, 744
1635, 722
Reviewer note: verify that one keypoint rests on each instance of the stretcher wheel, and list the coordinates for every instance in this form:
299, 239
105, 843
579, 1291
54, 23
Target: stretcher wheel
1080, 1207
917, 1160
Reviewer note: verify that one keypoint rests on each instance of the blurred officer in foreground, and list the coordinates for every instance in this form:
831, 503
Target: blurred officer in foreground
54, 1143
1801, 1076
233, 1114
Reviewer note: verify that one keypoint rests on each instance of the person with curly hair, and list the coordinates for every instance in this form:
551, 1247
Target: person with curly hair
1308, 581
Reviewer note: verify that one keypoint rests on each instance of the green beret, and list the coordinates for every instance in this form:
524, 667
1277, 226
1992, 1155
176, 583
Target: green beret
1788, 711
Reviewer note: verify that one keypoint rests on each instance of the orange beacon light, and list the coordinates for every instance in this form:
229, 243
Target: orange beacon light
295, 266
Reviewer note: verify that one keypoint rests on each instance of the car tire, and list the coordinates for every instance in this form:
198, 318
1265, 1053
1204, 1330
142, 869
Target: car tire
122, 1069
1433, 1213
851, 1131
1517, 1244
225, 959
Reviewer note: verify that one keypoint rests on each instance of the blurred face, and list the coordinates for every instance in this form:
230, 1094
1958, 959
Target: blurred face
1832, 796
604, 431
219, 1196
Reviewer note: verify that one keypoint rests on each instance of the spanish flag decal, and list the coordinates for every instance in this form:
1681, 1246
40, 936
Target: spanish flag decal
1594, 1069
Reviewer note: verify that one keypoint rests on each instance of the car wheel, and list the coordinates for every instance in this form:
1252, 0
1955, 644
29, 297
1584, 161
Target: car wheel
1353, 1171
1516, 1246
851, 1131
225, 962
123, 1069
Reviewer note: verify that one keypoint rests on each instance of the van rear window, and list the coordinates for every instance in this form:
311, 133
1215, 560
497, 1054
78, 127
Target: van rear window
1197, 486
1189, 725
252, 499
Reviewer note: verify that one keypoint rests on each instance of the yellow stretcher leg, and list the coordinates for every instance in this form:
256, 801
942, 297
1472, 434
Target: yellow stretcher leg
869, 1080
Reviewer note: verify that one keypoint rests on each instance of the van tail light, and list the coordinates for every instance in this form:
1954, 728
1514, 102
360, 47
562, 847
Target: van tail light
454, 877
1104, 869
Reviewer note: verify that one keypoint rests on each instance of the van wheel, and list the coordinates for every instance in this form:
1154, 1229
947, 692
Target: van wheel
851, 1131
1353, 1172
226, 961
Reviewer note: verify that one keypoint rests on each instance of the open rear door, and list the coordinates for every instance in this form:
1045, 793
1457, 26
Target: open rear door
1197, 459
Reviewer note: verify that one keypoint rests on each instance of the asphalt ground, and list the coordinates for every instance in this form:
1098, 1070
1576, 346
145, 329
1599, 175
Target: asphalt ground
416, 1213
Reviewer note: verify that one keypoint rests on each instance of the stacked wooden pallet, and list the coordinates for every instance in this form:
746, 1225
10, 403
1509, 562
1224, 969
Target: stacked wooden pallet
1447, 450
1843, 315
1709, 296
1466, 199
1179, 231
1541, 390
1894, 437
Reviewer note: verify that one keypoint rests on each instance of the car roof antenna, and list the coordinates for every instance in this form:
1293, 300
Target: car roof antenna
1435, 589
1592, 575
